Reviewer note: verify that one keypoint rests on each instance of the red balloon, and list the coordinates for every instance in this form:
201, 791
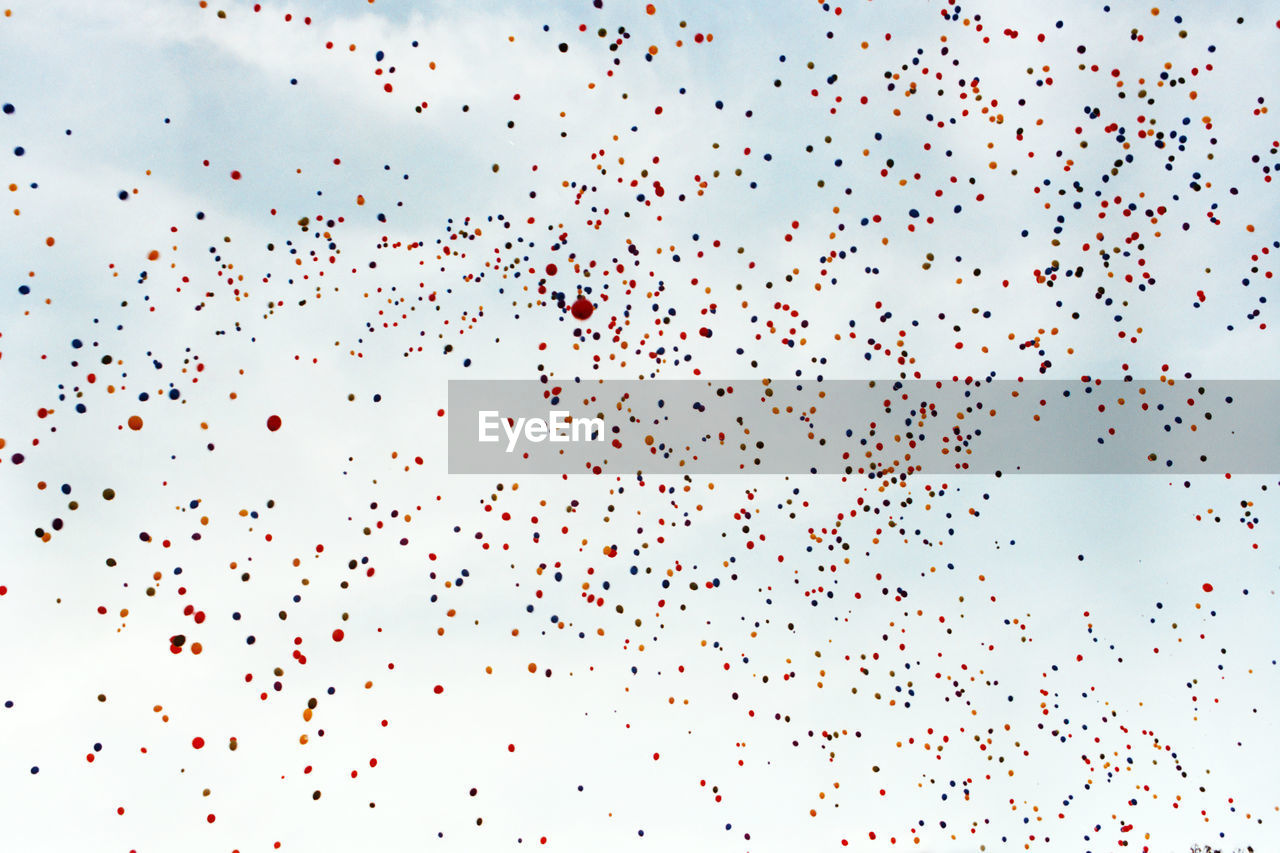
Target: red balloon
273, 423
582, 309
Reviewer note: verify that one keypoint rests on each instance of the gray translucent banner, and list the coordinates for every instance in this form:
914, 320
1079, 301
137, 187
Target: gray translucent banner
861, 428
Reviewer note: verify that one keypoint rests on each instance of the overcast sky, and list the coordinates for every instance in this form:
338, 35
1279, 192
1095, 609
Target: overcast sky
248, 245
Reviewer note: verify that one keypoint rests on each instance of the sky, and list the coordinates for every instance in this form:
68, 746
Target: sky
246, 605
